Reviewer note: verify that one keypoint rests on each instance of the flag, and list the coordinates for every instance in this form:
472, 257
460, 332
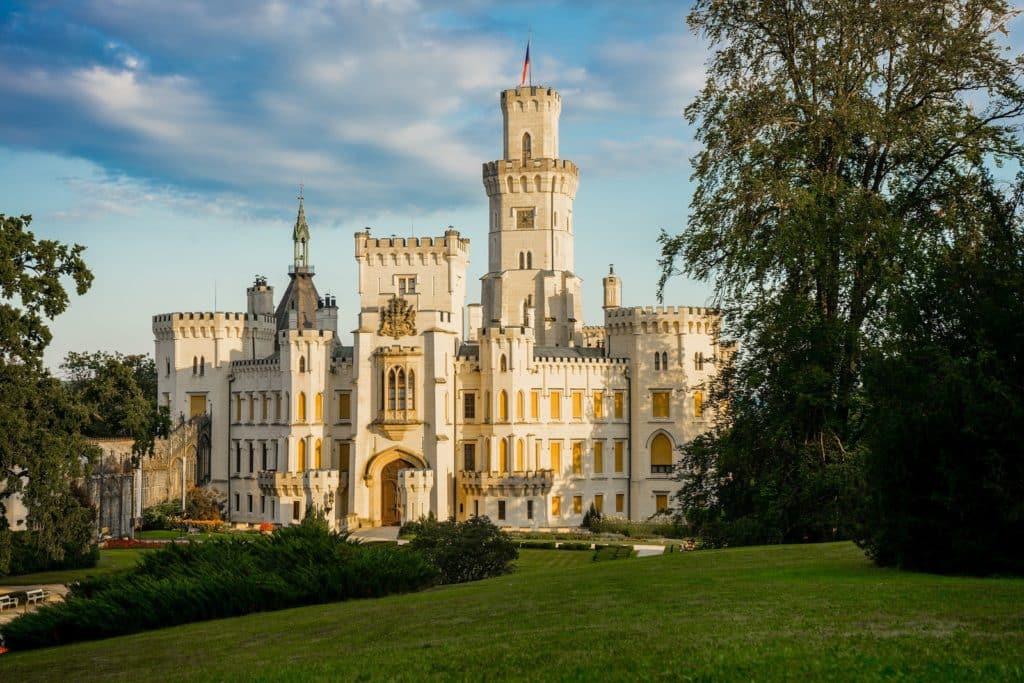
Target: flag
526, 64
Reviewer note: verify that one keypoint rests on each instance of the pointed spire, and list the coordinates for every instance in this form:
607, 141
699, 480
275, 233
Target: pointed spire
300, 235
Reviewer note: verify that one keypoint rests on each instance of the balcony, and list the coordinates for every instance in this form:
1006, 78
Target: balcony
526, 483
395, 423
299, 483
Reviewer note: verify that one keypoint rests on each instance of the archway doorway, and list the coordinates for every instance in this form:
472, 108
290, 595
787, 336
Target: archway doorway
390, 514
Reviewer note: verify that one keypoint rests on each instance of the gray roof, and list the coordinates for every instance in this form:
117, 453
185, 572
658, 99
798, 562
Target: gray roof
567, 352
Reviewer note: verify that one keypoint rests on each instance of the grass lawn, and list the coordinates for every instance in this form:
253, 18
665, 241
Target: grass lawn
110, 561
813, 612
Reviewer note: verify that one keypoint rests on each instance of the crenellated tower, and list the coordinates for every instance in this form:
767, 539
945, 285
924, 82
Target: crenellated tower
530, 280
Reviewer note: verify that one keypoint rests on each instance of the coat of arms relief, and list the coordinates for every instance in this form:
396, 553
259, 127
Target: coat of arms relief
398, 319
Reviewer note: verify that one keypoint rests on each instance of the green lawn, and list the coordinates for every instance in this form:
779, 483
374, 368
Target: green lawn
814, 612
110, 561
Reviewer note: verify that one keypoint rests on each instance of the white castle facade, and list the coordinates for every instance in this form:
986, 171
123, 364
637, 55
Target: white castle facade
510, 408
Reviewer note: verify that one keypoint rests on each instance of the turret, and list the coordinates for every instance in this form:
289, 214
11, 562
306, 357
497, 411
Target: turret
260, 297
612, 289
327, 314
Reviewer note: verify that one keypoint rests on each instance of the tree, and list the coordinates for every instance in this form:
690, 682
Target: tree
831, 134
944, 466
42, 450
119, 393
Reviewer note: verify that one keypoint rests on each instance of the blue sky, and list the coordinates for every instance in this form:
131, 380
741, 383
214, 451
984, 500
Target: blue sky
170, 138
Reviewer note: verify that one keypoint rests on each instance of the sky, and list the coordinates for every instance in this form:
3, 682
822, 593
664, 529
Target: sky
171, 138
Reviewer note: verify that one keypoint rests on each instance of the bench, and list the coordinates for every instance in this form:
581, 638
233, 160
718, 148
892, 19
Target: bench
7, 601
38, 595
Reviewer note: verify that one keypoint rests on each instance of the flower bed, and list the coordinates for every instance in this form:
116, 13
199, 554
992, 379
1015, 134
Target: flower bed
128, 543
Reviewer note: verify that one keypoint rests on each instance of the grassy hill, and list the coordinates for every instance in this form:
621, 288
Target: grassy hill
808, 612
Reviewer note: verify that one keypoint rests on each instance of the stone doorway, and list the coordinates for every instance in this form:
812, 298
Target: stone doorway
390, 515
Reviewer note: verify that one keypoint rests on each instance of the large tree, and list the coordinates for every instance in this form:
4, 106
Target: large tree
831, 132
42, 450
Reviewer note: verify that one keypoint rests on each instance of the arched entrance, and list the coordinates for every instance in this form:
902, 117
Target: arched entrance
390, 514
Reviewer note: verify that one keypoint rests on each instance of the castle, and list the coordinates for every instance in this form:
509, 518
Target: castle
510, 408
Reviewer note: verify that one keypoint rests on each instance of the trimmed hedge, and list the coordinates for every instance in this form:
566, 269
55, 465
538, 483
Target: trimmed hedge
465, 551
183, 583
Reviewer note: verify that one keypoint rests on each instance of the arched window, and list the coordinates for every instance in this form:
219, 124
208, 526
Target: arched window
412, 390
664, 360
302, 363
657, 361
195, 365
554, 221
527, 146
317, 455
202, 365
302, 455
503, 363
400, 380
523, 186
520, 447
508, 184
302, 407
522, 260
503, 406
319, 407
167, 362
391, 389
520, 405
661, 454
529, 260
503, 455
698, 403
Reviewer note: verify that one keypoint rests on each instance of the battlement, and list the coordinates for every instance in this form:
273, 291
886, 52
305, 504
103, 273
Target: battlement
210, 316
531, 175
208, 324
300, 333
451, 243
527, 95
517, 166
268, 363
662, 319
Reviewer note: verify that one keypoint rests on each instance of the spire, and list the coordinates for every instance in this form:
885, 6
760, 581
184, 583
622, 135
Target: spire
300, 236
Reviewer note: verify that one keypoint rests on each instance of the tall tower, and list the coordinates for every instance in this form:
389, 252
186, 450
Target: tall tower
530, 241
299, 304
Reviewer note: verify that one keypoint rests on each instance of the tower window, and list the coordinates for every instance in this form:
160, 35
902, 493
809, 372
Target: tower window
527, 146
529, 260
657, 361
522, 260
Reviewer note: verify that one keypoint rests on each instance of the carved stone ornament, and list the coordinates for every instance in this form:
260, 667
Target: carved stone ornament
398, 319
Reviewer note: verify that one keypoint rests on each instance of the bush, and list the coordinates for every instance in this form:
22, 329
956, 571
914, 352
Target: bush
187, 582
652, 528
26, 557
592, 519
465, 551
203, 504
574, 546
410, 529
613, 552
538, 545
162, 516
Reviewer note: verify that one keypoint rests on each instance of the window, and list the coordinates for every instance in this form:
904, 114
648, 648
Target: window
487, 406
406, 285
619, 455
317, 455
249, 501
659, 403
302, 363
345, 406
399, 394
577, 457
520, 447
698, 404
618, 404
657, 361
238, 407
195, 365
620, 502
503, 455
167, 366
522, 260
344, 449
598, 457
556, 405
598, 404
556, 506
469, 405
319, 407
529, 260
664, 359
577, 505
277, 406
599, 502
527, 146
503, 363
501, 509
202, 366
476, 508
302, 455
469, 457
263, 455
529, 509
503, 406
534, 404
238, 457
556, 456
661, 502
295, 510
577, 405
698, 361
252, 407
661, 454
252, 457
520, 405
265, 409
301, 412
263, 505
238, 502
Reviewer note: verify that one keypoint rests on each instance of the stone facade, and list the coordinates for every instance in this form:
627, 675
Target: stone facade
510, 408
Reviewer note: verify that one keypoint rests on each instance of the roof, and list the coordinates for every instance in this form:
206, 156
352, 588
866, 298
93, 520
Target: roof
567, 352
300, 296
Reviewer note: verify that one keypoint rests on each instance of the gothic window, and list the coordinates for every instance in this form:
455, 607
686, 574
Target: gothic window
301, 412
660, 403
195, 365
529, 260
661, 454
523, 186
503, 406
536, 183
657, 361
527, 146
577, 457
167, 363
508, 183
664, 360
469, 457
412, 390
263, 459
522, 260
469, 405
698, 403
317, 455
503, 455
319, 407
520, 405
251, 458
302, 363
302, 455
503, 363
202, 365
520, 448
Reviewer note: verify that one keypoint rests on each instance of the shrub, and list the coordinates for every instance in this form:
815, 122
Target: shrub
613, 552
162, 516
26, 557
465, 551
574, 546
186, 582
592, 519
538, 545
203, 504
410, 529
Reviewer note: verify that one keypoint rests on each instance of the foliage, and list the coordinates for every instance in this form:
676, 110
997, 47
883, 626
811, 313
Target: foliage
833, 135
162, 516
119, 394
945, 464
201, 503
653, 528
182, 583
591, 519
42, 450
465, 551
411, 528
604, 553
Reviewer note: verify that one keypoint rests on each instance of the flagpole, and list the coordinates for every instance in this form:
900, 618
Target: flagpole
529, 40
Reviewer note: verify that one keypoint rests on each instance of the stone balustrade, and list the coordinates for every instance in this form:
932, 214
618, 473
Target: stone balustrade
523, 483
